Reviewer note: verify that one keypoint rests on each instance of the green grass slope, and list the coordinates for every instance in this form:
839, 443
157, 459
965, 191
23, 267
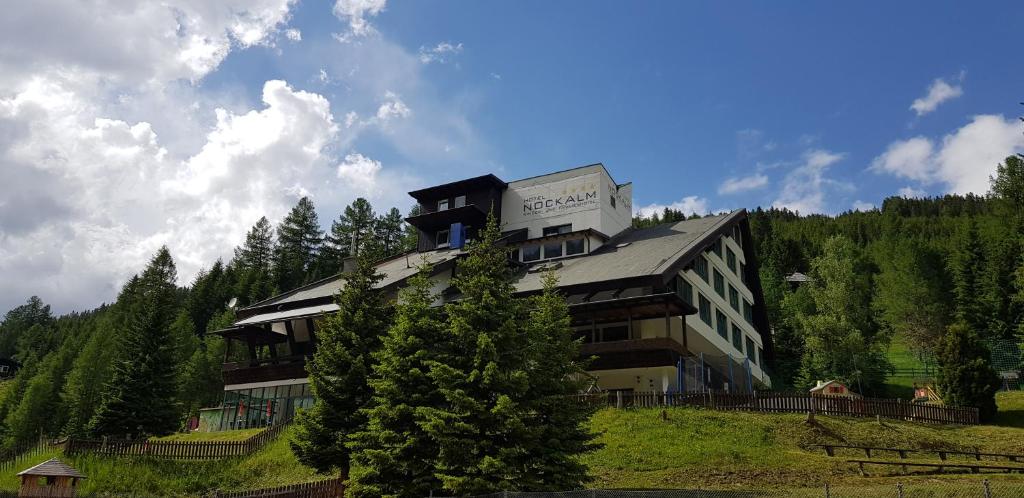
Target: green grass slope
700, 448
274, 465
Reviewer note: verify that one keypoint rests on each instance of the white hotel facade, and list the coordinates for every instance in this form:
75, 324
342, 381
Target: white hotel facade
675, 307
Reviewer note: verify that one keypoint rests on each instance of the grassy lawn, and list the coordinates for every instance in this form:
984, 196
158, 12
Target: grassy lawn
702, 448
236, 435
274, 465
902, 358
1011, 409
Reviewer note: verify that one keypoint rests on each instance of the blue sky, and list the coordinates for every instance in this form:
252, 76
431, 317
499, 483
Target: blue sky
127, 126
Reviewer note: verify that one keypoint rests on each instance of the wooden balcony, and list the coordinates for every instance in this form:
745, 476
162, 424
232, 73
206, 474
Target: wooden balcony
265, 370
633, 353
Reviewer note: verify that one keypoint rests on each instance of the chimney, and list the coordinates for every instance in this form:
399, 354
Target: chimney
348, 265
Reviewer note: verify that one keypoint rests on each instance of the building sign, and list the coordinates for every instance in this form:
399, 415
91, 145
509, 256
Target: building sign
567, 200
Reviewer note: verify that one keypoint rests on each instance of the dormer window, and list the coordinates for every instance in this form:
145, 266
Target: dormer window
442, 204
460, 201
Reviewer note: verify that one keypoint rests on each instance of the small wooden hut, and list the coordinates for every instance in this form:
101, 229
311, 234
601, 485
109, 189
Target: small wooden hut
51, 478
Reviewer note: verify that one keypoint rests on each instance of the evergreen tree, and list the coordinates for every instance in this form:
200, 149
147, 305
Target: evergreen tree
350, 234
486, 383
388, 234
139, 398
410, 234
1008, 183
19, 320
253, 263
339, 371
298, 246
996, 286
207, 297
966, 264
394, 455
910, 296
965, 376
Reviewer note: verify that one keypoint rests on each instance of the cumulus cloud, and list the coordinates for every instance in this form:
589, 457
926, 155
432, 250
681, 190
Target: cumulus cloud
962, 161
804, 187
392, 108
440, 53
938, 92
687, 205
360, 172
357, 14
742, 184
293, 34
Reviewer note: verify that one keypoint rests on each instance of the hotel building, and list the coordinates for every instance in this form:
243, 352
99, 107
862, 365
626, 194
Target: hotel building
674, 307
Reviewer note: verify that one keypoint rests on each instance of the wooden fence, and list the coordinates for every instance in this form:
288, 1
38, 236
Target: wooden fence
12, 456
780, 402
330, 488
185, 450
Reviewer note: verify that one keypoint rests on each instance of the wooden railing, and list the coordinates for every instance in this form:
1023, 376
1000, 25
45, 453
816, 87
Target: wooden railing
185, 450
780, 402
330, 488
830, 450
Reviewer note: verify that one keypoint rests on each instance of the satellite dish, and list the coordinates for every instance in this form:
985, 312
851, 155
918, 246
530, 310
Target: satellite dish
233, 302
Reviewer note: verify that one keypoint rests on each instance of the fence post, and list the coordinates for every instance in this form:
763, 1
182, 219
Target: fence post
988, 489
828, 491
899, 489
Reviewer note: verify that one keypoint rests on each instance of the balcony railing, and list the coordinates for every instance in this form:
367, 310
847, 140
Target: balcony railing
265, 370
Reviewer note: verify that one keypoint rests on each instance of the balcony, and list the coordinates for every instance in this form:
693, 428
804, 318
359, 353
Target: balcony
265, 370
633, 353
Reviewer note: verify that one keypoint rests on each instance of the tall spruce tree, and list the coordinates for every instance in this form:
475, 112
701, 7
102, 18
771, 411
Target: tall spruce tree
388, 234
258, 250
911, 297
299, 240
349, 235
482, 428
966, 266
339, 372
965, 376
252, 264
139, 399
394, 456
410, 234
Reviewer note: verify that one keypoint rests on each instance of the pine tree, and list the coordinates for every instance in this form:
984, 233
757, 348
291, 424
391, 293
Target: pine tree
965, 376
911, 297
486, 382
410, 234
258, 250
394, 455
298, 246
339, 371
20, 319
966, 264
252, 265
388, 234
349, 235
557, 434
139, 398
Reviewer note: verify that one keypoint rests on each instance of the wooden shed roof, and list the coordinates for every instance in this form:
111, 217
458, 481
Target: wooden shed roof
52, 468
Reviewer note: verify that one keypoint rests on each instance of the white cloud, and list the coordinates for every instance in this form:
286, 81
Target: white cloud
803, 189
911, 192
964, 159
862, 206
938, 92
293, 34
356, 13
742, 184
360, 172
393, 108
441, 53
687, 205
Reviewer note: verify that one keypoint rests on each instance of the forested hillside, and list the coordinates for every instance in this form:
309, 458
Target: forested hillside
146, 362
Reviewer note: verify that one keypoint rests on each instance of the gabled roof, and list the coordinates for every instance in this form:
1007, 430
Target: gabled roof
52, 468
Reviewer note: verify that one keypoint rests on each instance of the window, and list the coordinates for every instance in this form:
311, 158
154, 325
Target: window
442, 204
514, 254
730, 259
748, 312
611, 198
734, 298
743, 273
557, 230
704, 309
737, 338
717, 247
441, 238
701, 267
760, 356
722, 323
460, 201
616, 333
574, 246
685, 290
553, 250
531, 253
751, 352
719, 283
737, 235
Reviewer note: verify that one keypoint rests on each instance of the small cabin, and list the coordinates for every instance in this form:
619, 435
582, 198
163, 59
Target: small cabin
51, 478
8, 367
833, 388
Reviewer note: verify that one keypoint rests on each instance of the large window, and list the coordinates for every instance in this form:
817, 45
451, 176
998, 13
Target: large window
553, 250
685, 290
730, 259
737, 338
442, 204
722, 323
734, 298
558, 229
701, 267
717, 247
704, 307
460, 201
531, 253
743, 273
737, 235
573, 246
751, 352
748, 312
441, 238
719, 283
